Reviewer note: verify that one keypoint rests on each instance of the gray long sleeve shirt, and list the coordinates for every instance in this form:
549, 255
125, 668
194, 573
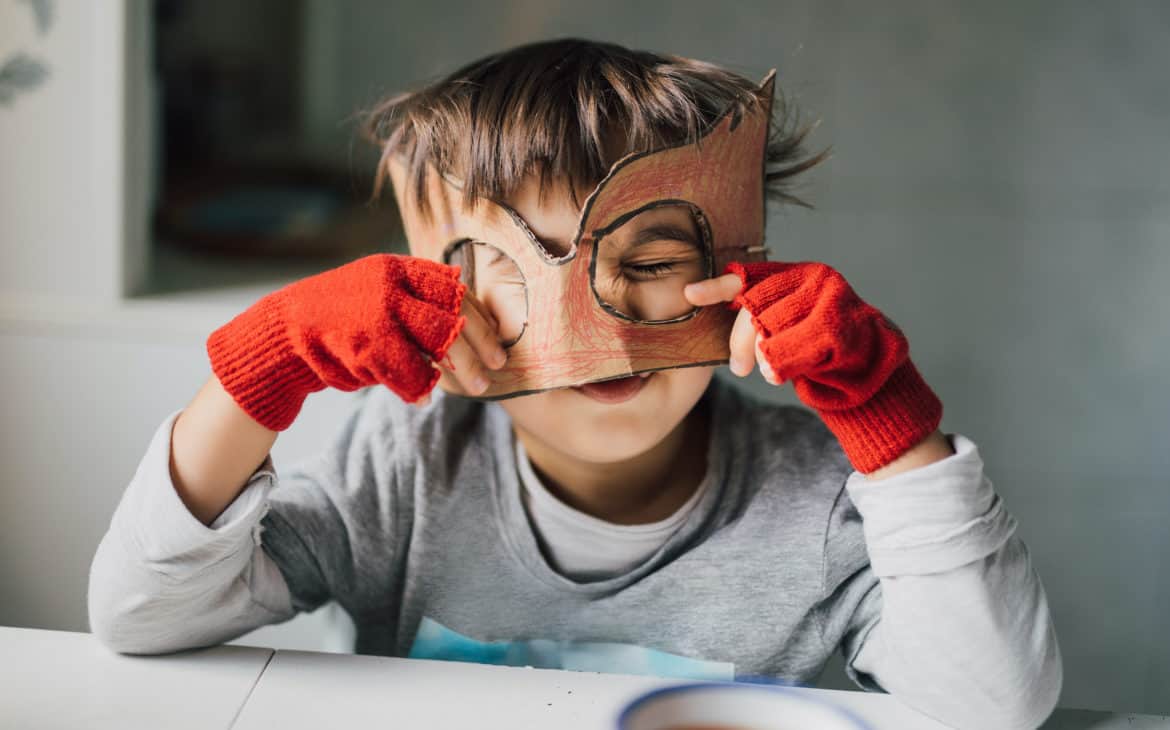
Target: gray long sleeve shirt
412, 520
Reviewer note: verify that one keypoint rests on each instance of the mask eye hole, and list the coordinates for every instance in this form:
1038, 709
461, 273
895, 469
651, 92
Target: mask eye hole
642, 262
494, 279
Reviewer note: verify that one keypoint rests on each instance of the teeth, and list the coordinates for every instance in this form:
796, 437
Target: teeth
644, 375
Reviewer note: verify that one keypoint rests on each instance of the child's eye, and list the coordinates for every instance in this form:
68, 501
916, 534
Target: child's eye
654, 270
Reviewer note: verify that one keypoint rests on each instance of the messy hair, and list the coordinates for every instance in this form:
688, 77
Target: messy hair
568, 109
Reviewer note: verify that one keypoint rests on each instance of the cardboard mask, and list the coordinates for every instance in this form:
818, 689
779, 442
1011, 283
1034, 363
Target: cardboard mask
572, 334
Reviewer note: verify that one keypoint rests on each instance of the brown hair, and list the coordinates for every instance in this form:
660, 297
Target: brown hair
569, 109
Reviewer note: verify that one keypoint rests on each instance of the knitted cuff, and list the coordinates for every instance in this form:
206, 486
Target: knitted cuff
256, 364
902, 413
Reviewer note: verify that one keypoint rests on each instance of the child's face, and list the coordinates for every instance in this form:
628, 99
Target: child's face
640, 272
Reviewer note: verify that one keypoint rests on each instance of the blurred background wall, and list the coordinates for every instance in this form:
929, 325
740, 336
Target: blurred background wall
999, 187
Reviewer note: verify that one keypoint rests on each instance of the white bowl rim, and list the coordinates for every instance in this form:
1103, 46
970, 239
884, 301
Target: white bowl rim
642, 699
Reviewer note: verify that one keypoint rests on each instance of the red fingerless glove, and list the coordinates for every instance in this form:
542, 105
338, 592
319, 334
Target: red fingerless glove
380, 319
845, 359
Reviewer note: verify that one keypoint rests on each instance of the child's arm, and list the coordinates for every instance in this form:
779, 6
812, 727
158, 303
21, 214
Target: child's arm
215, 447
949, 614
163, 580
178, 567
934, 447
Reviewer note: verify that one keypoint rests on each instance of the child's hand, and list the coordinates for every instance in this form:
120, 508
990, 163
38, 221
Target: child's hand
803, 322
381, 319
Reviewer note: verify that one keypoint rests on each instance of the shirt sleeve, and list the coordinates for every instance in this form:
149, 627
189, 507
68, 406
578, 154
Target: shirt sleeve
162, 581
949, 616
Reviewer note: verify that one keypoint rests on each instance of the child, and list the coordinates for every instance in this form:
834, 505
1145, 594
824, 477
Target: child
608, 505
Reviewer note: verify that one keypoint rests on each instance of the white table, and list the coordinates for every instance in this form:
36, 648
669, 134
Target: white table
60, 679
54, 679
308, 690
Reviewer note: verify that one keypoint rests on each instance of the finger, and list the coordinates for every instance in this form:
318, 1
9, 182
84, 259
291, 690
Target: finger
471, 300
448, 383
466, 367
743, 344
712, 291
482, 333
765, 366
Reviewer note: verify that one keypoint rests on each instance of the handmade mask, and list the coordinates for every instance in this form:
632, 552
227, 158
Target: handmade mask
586, 316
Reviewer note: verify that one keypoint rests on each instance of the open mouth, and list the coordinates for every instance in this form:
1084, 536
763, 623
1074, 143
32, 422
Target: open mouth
618, 390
